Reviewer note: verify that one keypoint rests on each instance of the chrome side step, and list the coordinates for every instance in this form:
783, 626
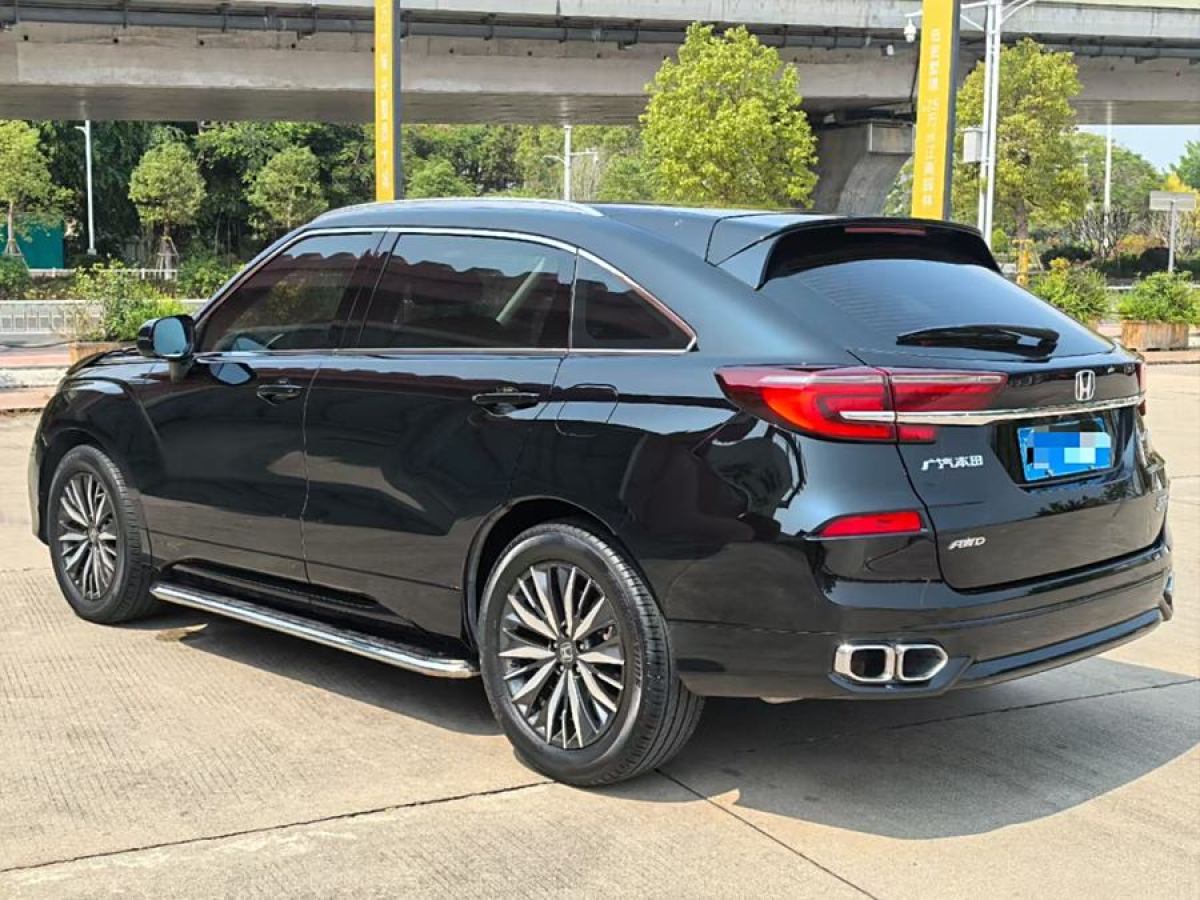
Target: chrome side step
393, 653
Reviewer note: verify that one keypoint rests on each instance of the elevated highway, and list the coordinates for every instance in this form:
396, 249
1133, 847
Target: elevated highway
534, 60
538, 61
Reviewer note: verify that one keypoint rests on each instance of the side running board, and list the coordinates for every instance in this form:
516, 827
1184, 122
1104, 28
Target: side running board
394, 653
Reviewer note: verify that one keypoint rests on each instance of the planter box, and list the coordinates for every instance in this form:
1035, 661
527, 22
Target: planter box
1154, 335
77, 350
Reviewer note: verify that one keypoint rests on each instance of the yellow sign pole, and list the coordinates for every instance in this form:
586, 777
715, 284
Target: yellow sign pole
933, 155
389, 173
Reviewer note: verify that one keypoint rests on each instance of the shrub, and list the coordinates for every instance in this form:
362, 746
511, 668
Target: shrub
15, 280
1163, 297
1137, 244
200, 276
1153, 259
1079, 292
1069, 252
119, 303
1123, 265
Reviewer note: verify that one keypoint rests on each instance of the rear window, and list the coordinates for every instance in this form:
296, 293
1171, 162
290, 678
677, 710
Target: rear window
867, 293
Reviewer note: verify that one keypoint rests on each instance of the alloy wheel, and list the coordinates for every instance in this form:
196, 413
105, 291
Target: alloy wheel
563, 658
87, 535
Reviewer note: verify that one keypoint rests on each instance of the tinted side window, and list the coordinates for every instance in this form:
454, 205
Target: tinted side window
611, 314
300, 300
447, 291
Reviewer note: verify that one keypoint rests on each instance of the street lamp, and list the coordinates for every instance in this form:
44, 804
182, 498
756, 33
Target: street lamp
566, 159
86, 128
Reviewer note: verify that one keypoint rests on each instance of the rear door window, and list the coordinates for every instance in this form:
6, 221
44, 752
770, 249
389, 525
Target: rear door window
460, 291
870, 292
612, 314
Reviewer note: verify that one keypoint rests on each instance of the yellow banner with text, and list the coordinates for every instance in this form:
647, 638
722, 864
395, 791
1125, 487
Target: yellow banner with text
933, 153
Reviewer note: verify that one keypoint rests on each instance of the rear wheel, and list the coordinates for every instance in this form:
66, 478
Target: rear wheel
95, 539
575, 659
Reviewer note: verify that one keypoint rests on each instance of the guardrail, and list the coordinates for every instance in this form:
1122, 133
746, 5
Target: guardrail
29, 318
140, 274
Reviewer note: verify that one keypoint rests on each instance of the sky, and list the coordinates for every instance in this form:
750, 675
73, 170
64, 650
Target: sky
1161, 144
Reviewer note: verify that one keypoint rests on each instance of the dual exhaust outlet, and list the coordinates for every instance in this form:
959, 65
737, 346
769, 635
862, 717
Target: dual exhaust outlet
880, 663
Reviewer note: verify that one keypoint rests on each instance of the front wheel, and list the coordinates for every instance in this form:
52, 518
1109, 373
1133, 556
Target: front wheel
95, 539
575, 659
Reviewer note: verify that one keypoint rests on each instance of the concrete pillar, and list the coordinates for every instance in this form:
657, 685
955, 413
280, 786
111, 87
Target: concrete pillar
857, 165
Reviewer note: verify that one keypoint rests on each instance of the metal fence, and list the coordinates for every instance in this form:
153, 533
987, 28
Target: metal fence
30, 318
23, 318
140, 274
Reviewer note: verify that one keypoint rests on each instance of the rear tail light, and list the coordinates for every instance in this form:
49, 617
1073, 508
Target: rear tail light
1140, 368
906, 521
861, 403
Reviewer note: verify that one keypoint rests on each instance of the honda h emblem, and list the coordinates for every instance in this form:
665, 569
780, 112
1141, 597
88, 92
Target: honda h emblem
1085, 385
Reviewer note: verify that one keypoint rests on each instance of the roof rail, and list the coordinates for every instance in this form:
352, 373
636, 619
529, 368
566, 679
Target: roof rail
499, 202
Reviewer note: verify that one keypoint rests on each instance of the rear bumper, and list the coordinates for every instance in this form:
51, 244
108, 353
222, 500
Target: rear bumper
1068, 623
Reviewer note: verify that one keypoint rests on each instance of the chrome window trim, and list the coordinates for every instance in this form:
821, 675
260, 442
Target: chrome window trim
988, 416
465, 231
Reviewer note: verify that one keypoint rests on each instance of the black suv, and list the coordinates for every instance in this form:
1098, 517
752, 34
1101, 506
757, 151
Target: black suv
615, 459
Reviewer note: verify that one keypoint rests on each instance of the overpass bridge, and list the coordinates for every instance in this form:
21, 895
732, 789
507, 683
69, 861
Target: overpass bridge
553, 61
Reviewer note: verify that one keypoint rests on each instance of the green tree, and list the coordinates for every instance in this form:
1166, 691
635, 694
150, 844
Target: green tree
614, 169
1133, 178
166, 187
116, 149
27, 189
484, 156
436, 177
286, 191
1039, 174
724, 124
1188, 167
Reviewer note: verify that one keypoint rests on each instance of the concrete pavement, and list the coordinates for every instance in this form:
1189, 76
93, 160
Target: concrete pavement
193, 757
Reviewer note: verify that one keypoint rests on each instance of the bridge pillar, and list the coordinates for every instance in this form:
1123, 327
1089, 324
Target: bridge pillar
858, 163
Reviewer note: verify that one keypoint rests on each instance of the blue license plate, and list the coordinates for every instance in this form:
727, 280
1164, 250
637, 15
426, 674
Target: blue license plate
1064, 448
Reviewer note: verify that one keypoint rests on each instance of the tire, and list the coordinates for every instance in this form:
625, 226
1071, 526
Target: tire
578, 739
89, 513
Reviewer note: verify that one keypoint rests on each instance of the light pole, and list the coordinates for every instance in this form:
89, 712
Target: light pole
566, 160
1108, 148
86, 128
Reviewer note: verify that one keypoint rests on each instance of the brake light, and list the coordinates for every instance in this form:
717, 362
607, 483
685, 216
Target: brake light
907, 230
1140, 369
859, 403
872, 524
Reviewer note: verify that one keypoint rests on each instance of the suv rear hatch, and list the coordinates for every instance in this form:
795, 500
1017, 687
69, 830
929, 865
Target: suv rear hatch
1038, 463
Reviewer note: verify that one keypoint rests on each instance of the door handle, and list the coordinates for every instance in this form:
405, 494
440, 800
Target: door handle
279, 391
504, 400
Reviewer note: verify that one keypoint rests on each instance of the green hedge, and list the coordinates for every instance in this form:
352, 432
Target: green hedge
1080, 292
1162, 297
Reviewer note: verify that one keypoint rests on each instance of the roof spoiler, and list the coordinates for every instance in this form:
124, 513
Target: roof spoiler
754, 262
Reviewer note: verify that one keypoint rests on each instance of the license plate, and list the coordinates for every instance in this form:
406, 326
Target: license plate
1064, 448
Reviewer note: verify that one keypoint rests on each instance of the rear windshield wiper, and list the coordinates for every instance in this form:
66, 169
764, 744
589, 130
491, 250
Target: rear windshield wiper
1013, 338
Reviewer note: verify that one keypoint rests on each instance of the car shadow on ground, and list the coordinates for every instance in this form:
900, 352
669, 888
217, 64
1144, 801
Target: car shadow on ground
459, 705
966, 763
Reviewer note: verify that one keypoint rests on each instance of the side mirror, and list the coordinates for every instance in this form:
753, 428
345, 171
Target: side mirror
171, 338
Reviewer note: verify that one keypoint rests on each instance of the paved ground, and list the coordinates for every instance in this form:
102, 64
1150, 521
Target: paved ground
165, 760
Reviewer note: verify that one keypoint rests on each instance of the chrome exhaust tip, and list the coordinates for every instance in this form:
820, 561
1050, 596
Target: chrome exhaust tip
919, 662
866, 663
880, 663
